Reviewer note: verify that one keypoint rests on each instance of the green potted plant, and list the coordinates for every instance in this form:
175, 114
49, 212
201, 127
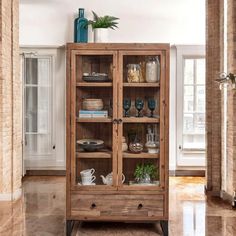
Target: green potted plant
144, 173
100, 26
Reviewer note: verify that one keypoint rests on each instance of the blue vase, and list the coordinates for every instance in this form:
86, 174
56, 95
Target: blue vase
81, 28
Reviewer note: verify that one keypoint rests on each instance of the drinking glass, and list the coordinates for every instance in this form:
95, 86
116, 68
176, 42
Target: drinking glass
151, 105
139, 103
126, 106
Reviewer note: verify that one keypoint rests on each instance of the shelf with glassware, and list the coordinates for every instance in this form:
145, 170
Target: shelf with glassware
141, 93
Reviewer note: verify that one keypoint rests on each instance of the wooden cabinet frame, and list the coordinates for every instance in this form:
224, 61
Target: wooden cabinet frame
79, 198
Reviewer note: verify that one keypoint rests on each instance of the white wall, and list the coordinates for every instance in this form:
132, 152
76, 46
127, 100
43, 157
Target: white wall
50, 22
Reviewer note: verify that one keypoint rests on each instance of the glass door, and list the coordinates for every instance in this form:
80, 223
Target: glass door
94, 135
38, 127
141, 130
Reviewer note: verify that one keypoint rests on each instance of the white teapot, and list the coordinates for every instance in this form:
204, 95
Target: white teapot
108, 180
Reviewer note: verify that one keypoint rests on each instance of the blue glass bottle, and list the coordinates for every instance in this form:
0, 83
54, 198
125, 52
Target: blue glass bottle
81, 28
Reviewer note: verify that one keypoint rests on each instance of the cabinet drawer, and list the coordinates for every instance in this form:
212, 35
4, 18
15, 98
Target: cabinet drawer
117, 205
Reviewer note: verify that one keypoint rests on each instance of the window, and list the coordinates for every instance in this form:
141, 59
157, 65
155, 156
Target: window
190, 124
38, 106
194, 104
43, 77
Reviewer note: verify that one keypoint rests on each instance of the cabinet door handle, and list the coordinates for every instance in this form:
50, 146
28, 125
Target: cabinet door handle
140, 206
115, 121
93, 205
119, 121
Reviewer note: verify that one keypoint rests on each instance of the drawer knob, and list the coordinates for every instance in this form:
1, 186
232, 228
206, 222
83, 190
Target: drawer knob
93, 205
140, 206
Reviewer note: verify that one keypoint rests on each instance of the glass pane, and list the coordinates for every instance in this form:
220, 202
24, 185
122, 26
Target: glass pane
201, 71
188, 71
37, 71
43, 109
188, 123
200, 99
94, 171
43, 71
38, 106
31, 70
188, 98
94, 156
37, 110
31, 107
140, 141
194, 141
36, 144
199, 123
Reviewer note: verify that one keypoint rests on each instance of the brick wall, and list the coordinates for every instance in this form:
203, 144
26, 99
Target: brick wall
214, 65
214, 97
231, 126
10, 99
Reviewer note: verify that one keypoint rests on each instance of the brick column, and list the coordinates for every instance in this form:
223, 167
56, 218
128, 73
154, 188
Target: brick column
214, 65
231, 125
10, 102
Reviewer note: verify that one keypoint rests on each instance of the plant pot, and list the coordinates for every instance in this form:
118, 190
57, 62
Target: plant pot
101, 35
145, 180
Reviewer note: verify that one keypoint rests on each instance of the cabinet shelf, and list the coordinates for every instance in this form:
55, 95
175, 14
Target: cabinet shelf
93, 84
140, 120
94, 120
144, 85
140, 155
100, 154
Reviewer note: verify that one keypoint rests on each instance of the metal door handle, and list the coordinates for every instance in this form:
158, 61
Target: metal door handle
180, 147
140, 206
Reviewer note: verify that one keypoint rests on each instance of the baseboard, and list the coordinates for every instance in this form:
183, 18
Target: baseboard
195, 173
11, 196
45, 172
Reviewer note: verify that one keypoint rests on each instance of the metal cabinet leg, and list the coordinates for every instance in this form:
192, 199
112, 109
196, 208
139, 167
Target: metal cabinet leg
69, 226
164, 227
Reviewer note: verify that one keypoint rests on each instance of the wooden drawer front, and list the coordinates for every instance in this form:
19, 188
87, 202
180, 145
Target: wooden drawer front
117, 205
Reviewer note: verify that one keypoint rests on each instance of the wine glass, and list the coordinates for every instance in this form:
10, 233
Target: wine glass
151, 105
126, 105
111, 107
139, 103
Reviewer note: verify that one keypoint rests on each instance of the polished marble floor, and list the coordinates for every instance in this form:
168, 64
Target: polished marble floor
41, 212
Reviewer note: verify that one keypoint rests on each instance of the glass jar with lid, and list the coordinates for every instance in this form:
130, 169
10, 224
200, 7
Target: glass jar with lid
134, 73
152, 70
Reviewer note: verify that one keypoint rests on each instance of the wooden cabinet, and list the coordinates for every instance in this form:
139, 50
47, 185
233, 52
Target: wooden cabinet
126, 199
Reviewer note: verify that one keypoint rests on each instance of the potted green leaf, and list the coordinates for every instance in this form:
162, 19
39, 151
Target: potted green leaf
100, 26
144, 173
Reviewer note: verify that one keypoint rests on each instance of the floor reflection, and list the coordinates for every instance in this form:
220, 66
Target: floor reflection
41, 212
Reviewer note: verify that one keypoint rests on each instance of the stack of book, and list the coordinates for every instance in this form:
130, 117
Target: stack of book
93, 114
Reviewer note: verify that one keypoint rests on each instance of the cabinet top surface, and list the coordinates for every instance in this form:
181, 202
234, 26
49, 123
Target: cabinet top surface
118, 46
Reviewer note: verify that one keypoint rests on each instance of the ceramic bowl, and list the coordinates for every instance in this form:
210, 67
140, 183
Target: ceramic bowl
92, 104
91, 145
